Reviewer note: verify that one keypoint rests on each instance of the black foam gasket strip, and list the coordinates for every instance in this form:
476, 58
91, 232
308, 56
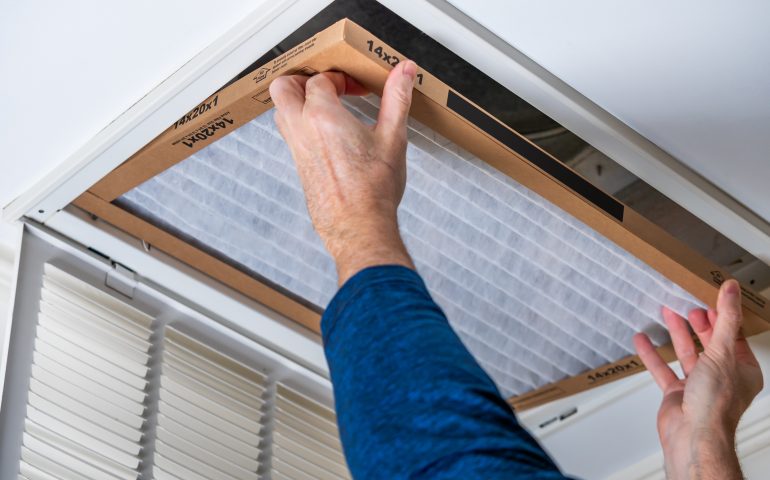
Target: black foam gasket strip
539, 158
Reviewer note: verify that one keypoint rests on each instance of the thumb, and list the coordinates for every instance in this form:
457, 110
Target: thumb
396, 99
729, 316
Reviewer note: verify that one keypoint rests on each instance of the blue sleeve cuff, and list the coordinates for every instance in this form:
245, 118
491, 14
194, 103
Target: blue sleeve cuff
366, 278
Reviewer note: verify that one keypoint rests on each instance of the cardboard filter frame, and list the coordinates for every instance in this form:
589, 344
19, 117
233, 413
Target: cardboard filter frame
349, 48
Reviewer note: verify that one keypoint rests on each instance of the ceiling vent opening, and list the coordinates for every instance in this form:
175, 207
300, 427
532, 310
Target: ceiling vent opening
537, 294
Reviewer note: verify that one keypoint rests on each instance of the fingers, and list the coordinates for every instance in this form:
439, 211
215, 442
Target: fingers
352, 87
712, 316
343, 85
659, 369
288, 94
327, 84
291, 94
670, 407
743, 352
729, 316
323, 107
322, 92
701, 325
396, 99
295, 94
684, 346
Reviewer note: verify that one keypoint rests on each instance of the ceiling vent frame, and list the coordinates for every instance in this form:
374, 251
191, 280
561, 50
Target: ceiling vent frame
347, 47
140, 123
271, 21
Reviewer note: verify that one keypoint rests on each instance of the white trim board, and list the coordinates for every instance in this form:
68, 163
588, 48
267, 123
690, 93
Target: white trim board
265, 27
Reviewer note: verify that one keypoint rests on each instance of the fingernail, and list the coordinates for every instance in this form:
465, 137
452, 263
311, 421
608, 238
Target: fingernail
732, 287
410, 69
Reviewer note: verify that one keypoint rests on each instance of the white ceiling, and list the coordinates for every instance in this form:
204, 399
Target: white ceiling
692, 76
70, 68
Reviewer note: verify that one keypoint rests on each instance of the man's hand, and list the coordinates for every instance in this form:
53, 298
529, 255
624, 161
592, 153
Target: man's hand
699, 413
353, 174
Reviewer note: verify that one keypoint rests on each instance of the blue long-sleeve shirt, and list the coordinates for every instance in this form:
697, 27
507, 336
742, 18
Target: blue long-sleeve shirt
411, 400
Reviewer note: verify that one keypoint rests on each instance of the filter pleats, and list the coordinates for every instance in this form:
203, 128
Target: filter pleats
535, 294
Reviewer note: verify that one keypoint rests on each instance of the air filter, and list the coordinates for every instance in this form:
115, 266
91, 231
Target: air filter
535, 294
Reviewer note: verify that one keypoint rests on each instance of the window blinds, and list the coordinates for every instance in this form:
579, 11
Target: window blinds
535, 294
116, 394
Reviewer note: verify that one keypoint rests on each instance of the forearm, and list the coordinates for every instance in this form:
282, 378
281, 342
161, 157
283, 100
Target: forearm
411, 400
376, 243
711, 456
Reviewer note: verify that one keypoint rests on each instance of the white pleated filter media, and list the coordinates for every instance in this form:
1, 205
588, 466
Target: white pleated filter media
535, 294
86, 400
209, 415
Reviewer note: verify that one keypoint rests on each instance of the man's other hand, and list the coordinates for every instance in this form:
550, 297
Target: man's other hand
699, 413
353, 174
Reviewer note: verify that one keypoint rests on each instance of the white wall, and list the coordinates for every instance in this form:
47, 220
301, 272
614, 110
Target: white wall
693, 76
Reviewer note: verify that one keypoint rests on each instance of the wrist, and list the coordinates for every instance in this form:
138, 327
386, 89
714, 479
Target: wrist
715, 457
709, 454
367, 245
